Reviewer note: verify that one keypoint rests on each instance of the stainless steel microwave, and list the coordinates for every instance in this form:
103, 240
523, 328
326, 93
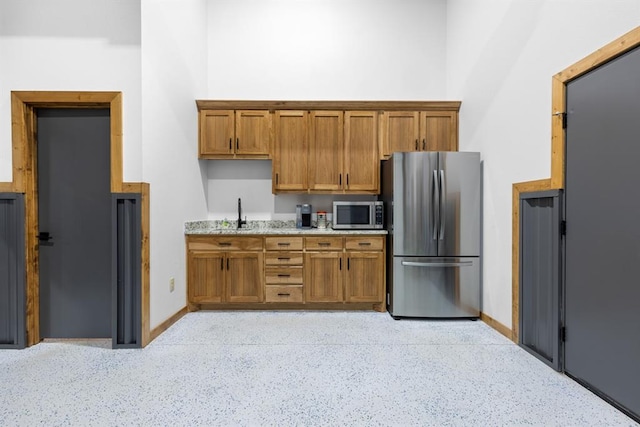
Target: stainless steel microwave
357, 215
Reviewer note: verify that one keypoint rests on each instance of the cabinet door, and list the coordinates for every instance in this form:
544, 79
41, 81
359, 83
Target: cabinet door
361, 154
401, 131
326, 151
206, 277
216, 133
439, 130
245, 277
364, 279
290, 151
253, 128
323, 277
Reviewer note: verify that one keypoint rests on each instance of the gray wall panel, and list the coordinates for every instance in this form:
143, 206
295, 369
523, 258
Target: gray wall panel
127, 252
12, 271
540, 275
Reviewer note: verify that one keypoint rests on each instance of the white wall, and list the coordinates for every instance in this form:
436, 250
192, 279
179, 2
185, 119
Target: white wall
173, 76
501, 56
327, 49
72, 45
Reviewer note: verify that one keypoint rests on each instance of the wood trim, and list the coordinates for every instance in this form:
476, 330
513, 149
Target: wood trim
520, 187
558, 110
23, 123
155, 333
328, 105
619, 46
497, 326
115, 107
6, 187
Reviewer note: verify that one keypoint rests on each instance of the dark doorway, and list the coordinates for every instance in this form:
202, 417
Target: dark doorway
74, 216
602, 348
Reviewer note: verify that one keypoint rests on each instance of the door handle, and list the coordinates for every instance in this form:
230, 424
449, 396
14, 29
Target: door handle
443, 204
435, 208
44, 236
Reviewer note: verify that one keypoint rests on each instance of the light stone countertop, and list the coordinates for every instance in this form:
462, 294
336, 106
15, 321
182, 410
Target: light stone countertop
273, 227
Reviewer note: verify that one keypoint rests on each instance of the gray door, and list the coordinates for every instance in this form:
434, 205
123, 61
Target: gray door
602, 348
459, 181
75, 223
414, 204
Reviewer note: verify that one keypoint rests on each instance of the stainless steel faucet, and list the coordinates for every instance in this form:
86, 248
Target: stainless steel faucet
240, 220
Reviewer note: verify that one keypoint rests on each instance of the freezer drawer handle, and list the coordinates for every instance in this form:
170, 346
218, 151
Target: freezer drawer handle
438, 264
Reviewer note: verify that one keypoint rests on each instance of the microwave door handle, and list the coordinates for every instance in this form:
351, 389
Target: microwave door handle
435, 201
443, 203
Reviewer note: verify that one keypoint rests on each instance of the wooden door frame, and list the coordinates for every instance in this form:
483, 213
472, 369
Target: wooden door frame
620, 46
24, 150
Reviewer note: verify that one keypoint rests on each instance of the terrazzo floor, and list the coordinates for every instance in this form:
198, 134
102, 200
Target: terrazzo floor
296, 368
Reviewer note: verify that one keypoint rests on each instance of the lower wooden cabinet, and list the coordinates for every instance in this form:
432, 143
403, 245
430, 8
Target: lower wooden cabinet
299, 271
323, 277
225, 269
364, 279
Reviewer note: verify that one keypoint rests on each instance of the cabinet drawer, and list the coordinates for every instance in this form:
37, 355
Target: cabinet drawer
284, 243
225, 243
323, 243
283, 258
283, 294
364, 243
284, 275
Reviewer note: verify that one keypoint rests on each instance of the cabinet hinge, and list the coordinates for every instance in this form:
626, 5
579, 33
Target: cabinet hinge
563, 334
563, 228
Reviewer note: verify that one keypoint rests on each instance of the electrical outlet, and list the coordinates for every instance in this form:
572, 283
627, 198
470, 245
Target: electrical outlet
172, 284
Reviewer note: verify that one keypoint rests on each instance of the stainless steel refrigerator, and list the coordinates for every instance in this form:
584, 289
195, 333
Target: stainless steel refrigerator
432, 209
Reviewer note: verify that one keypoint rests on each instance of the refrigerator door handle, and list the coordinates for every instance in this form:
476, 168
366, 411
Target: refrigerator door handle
437, 264
435, 204
443, 204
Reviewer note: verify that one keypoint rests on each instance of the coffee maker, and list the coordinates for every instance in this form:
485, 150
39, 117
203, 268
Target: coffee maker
305, 212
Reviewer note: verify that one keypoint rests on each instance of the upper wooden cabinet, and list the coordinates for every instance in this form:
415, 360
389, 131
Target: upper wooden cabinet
338, 154
419, 131
326, 151
226, 134
361, 160
289, 167
325, 146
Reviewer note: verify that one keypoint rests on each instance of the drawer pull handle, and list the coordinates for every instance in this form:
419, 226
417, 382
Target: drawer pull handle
283, 258
284, 275
324, 243
365, 243
280, 294
284, 244
224, 244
